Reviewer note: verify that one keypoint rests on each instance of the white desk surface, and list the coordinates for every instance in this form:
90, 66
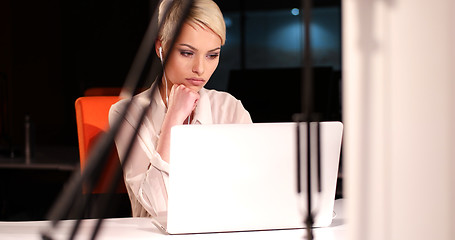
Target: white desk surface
142, 228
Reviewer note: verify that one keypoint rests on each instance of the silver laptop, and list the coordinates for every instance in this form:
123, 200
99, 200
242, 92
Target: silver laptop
242, 177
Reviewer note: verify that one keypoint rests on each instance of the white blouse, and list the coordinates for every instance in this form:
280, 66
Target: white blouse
146, 174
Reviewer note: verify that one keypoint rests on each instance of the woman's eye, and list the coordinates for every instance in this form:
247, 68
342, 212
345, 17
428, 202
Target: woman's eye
213, 56
186, 53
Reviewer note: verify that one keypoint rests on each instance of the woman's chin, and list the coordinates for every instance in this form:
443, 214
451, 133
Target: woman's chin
195, 88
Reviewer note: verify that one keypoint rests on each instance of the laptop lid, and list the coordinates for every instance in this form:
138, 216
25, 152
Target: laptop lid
241, 177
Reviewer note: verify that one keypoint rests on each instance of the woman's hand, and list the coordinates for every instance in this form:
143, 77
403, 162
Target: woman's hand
182, 102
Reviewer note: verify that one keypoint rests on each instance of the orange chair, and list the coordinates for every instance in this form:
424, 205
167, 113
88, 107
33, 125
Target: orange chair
92, 120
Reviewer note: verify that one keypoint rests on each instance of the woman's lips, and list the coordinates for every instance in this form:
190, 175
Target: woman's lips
195, 81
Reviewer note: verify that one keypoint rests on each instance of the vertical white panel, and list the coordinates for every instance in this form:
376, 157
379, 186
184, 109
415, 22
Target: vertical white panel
451, 169
365, 116
421, 120
399, 115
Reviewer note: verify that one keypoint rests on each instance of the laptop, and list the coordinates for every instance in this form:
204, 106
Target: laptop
243, 177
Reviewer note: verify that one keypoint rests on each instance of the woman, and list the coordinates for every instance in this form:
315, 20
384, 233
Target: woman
179, 99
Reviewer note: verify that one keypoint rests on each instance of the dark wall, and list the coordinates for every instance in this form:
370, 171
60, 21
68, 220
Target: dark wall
277, 93
51, 51
31, 65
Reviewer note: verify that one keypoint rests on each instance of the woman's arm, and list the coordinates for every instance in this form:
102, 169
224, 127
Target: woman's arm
145, 173
182, 102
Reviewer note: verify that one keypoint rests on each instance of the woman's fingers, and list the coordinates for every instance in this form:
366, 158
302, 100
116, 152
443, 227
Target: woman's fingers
182, 101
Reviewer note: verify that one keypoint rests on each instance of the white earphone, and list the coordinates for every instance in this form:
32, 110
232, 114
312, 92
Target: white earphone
161, 54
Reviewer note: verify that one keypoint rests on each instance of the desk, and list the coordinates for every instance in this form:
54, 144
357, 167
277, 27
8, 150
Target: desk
142, 228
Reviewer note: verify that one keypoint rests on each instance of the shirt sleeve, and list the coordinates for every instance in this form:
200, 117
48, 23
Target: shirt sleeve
146, 174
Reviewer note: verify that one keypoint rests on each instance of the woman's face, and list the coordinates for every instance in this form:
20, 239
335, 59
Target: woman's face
194, 57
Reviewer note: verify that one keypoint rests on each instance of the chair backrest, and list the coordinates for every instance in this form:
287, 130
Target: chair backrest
92, 120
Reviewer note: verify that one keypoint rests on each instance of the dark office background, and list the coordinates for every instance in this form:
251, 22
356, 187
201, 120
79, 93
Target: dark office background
52, 51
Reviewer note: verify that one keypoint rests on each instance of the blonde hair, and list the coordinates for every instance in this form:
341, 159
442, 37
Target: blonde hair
204, 13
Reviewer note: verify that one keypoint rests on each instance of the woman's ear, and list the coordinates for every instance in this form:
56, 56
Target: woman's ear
158, 45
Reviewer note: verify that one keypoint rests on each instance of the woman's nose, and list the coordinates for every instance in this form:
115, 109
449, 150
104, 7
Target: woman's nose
198, 65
